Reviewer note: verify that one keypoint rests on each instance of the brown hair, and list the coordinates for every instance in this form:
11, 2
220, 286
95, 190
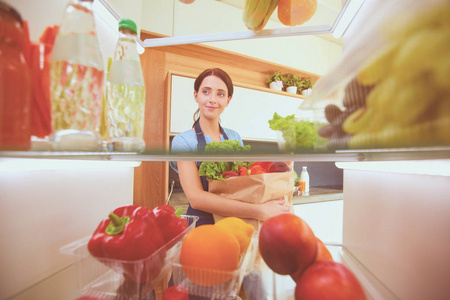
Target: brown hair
212, 72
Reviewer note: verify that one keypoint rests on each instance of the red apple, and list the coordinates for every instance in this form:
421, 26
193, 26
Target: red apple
278, 167
322, 251
176, 292
328, 280
287, 244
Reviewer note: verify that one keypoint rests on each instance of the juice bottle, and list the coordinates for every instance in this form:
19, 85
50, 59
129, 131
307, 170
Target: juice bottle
15, 83
76, 81
304, 182
125, 90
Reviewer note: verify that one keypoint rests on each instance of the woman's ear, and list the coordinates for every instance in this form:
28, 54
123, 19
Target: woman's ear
229, 99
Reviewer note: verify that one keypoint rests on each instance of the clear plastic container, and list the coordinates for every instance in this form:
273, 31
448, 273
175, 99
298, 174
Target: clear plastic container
125, 94
390, 89
76, 81
119, 279
227, 290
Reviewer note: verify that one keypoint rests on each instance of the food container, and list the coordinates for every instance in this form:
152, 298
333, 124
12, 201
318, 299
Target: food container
119, 279
227, 290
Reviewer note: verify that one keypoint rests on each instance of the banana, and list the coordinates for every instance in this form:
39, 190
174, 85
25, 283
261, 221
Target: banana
249, 9
422, 49
401, 27
357, 121
256, 13
273, 5
379, 66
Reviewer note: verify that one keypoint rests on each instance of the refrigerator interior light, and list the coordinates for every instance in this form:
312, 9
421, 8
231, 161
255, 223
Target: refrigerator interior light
33, 164
347, 14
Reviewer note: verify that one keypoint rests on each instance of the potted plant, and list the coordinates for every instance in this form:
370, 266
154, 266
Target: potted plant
306, 86
275, 81
291, 83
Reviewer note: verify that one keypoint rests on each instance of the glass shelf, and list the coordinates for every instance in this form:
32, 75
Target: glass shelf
430, 153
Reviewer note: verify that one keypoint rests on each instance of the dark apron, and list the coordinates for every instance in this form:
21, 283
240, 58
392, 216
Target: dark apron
204, 217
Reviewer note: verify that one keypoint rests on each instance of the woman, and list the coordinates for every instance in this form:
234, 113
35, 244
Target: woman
213, 90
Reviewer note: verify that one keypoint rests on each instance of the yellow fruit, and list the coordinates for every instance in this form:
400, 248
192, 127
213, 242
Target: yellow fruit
241, 230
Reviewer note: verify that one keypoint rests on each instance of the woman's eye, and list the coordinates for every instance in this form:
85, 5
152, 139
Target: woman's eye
221, 94
206, 92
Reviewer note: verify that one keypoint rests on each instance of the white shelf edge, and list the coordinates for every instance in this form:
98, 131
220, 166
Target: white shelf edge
236, 35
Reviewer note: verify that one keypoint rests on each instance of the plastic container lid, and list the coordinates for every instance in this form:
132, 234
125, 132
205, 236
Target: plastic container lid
127, 24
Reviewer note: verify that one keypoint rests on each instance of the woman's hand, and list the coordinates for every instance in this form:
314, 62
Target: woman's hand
272, 208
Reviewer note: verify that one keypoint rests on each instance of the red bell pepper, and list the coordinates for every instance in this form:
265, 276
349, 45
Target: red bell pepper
129, 234
243, 171
256, 169
264, 164
170, 223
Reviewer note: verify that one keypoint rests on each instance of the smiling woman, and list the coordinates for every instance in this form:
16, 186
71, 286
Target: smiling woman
213, 90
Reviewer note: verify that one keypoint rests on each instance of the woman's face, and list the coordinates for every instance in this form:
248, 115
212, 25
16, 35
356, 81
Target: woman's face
212, 97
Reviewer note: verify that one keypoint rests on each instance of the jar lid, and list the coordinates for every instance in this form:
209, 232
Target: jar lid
11, 11
127, 24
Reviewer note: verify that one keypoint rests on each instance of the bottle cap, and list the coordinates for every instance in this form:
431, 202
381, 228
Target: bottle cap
127, 24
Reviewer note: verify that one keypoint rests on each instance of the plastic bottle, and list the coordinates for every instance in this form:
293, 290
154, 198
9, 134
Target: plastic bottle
304, 182
126, 93
76, 81
15, 83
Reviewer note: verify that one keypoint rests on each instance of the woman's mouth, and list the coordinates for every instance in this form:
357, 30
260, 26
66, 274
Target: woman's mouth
211, 107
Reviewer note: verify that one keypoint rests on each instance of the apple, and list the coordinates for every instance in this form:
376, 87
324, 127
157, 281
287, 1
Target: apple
328, 280
322, 251
176, 292
287, 244
278, 167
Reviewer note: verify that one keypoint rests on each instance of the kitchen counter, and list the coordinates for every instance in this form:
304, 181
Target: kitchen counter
316, 194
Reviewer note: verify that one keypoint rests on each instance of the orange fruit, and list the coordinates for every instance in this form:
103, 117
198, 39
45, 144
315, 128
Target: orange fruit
241, 230
296, 12
322, 251
209, 255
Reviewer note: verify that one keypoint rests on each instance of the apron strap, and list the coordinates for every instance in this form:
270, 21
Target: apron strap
205, 217
201, 141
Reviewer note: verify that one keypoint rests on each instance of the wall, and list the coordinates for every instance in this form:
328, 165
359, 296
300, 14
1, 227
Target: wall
46, 204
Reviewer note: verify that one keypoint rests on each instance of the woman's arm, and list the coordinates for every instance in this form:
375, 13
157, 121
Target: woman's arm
215, 204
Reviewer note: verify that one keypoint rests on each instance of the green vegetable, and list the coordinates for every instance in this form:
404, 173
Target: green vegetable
213, 170
298, 135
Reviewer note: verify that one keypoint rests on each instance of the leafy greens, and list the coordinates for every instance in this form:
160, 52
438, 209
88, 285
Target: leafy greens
213, 170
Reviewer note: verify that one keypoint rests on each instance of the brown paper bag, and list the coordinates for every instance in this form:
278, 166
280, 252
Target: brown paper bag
255, 189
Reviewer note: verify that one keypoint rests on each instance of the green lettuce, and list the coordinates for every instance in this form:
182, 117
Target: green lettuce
213, 170
298, 135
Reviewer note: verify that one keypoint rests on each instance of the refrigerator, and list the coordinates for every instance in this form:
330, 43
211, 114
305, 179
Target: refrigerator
393, 225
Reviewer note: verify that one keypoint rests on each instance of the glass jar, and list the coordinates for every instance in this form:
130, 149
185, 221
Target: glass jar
77, 81
15, 82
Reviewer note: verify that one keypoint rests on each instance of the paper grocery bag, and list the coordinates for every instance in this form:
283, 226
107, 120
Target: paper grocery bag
255, 189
